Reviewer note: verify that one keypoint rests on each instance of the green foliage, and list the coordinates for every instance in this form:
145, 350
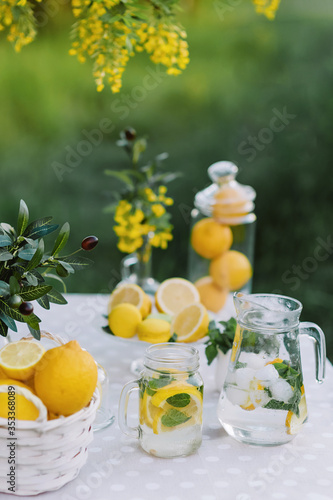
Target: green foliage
174, 417
220, 338
22, 257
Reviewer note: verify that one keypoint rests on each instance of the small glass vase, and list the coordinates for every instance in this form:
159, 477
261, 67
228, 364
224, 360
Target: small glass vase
137, 268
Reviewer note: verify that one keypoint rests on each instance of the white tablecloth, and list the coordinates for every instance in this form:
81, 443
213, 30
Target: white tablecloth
222, 468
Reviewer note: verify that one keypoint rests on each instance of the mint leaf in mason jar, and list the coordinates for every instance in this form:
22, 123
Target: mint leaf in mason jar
179, 400
173, 418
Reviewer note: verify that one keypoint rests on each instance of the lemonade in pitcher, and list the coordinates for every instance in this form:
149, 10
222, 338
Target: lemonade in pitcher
263, 400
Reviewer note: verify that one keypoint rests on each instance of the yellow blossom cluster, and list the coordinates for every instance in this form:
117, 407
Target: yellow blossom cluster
103, 41
267, 7
17, 17
136, 225
165, 44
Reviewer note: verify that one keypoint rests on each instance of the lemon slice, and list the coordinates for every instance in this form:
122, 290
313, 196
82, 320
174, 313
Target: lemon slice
130, 294
174, 294
148, 412
25, 405
170, 415
191, 323
293, 422
19, 359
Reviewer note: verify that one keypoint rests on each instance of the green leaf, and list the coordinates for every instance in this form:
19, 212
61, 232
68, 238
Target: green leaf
77, 263
23, 218
211, 353
5, 240
173, 338
120, 176
34, 292
162, 381
179, 400
66, 266
173, 418
34, 333
37, 257
56, 297
3, 329
44, 302
4, 289
14, 286
8, 321
39, 228
139, 147
12, 313
31, 279
107, 329
4, 255
62, 239
33, 321
27, 252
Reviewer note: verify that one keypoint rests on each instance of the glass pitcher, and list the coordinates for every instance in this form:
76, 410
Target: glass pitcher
263, 400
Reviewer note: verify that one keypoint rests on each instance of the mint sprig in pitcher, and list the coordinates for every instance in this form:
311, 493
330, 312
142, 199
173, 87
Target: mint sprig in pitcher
263, 400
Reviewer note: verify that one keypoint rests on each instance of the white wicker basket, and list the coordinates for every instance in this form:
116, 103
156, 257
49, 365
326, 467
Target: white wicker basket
48, 454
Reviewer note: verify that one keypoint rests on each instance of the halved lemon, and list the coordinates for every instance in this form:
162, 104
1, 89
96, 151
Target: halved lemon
191, 323
169, 411
148, 412
174, 294
130, 294
276, 360
25, 405
293, 422
236, 343
19, 359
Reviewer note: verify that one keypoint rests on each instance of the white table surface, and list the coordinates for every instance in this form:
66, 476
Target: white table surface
222, 468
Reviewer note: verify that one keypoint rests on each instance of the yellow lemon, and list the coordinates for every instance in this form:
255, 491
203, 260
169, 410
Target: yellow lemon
154, 330
19, 359
211, 296
231, 270
124, 320
174, 294
65, 378
191, 323
209, 238
18, 402
130, 294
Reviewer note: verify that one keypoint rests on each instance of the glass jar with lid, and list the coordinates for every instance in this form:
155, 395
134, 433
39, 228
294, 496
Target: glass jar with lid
222, 239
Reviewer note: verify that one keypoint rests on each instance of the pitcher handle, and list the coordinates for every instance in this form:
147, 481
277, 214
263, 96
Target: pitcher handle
122, 410
317, 335
127, 265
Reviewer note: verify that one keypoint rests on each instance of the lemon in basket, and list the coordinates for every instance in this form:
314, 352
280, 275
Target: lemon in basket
17, 402
18, 360
65, 379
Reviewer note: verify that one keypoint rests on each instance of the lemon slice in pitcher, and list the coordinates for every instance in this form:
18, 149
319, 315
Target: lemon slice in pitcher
293, 422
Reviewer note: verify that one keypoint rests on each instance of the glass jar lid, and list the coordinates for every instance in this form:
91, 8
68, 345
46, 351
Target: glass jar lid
226, 200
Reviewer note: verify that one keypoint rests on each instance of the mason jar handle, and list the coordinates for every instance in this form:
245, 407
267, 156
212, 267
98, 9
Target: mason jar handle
127, 264
122, 411
317, 335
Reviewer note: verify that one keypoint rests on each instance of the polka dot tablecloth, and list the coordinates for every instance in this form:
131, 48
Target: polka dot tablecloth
222, 468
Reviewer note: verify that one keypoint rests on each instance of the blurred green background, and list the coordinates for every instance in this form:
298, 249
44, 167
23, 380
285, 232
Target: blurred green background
242, 68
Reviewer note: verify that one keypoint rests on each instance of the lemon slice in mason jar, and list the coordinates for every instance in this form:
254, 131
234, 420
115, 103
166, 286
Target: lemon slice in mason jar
178, 405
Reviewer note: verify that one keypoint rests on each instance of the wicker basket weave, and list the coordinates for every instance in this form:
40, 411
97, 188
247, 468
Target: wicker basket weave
48, 454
